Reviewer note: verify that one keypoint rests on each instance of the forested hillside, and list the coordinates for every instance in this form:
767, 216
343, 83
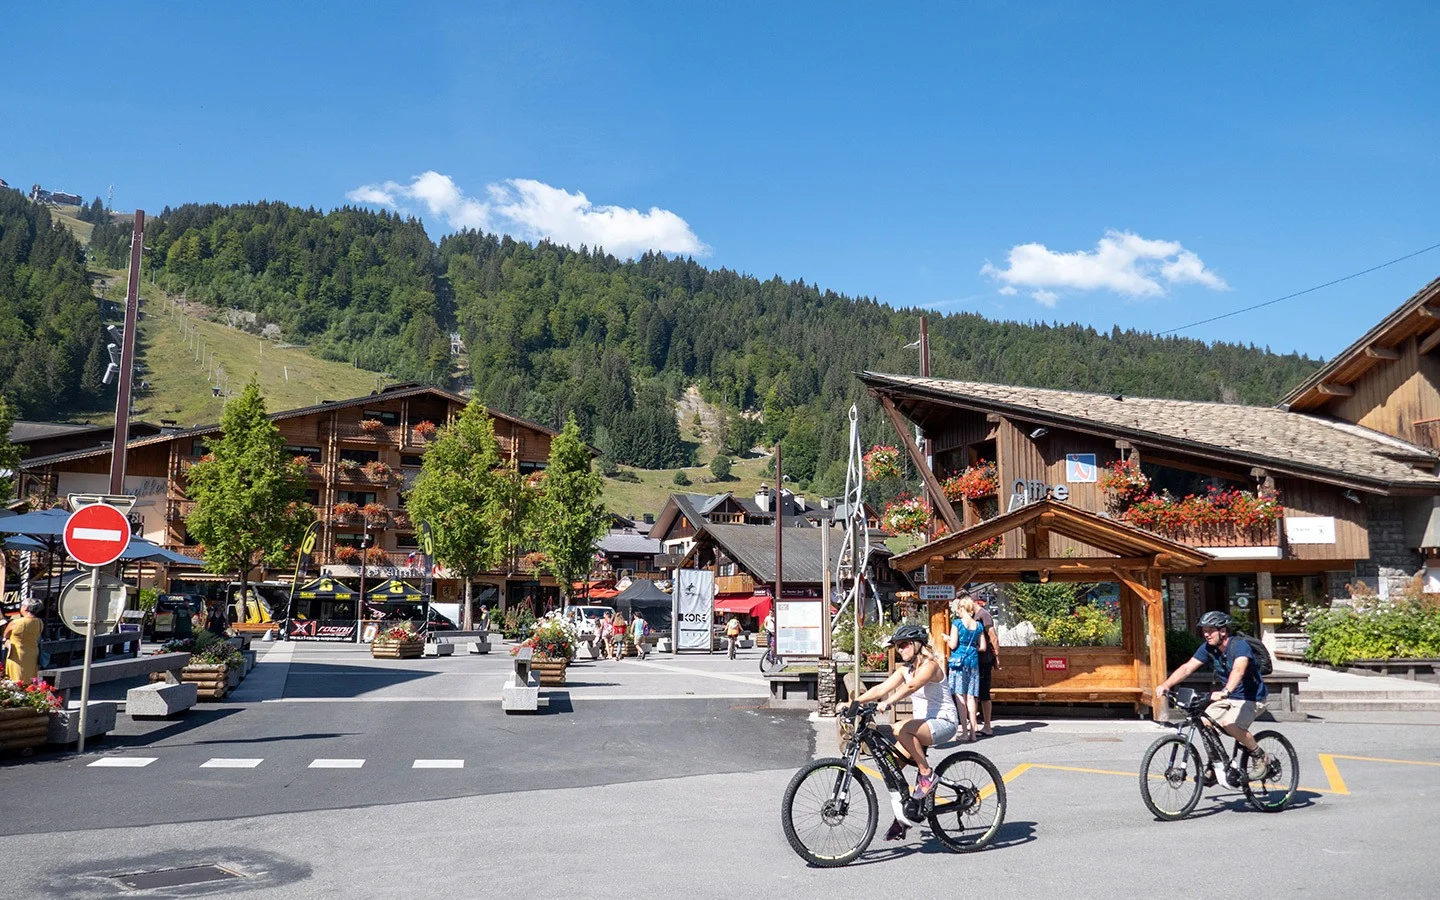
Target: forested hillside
52, 354
551, 330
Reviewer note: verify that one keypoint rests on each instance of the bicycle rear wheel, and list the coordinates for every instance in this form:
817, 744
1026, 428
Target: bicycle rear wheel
769, 662
1171, 778
968, 806
1272, 789
827, 828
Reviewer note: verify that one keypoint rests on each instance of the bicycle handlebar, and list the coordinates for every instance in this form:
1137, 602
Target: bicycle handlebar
863, 710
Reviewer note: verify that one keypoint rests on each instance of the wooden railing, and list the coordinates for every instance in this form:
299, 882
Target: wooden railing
385, 434
1427, 433
1228, 536
735, 584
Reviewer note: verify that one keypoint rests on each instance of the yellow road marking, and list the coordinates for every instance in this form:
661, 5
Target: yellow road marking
1091, 771
1337, 784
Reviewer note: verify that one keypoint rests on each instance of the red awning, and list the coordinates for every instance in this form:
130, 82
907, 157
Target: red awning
742, 604
597, 590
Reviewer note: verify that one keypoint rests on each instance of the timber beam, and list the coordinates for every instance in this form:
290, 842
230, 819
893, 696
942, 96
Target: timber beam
938, 499
1335, 390
1389, 353
1427, 311
1098, 567
1430, 343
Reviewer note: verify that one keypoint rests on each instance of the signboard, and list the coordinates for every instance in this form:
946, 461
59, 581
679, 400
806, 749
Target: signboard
1310, 529
695, 605
1271, 613
1024, 492
1057, 664
799, 628
315, 630
1080, 468
937, 592
97, 534
109, 603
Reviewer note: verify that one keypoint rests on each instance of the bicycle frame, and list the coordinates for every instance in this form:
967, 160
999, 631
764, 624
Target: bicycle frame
882, 749
1210, 738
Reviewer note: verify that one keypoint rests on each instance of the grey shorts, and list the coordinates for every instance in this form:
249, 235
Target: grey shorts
941, 730
1235, 712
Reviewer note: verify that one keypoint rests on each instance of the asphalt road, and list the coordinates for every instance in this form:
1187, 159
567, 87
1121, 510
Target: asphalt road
635, 797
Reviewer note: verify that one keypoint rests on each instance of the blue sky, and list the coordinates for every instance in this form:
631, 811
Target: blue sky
1138, 164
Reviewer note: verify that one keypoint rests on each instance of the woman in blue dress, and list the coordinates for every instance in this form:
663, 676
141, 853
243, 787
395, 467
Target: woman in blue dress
966, 641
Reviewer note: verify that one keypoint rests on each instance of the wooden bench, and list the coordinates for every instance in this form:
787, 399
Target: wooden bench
71, 651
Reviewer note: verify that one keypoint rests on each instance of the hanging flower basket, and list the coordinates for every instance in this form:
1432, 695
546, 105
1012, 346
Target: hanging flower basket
1123, 481
905, 515
975, 482
883, 461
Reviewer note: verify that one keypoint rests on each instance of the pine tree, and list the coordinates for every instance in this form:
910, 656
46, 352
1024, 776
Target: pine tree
9, 453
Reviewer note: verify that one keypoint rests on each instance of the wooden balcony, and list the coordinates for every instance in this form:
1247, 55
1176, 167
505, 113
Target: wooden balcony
735, 584
354, 434
1228, 536
397, 558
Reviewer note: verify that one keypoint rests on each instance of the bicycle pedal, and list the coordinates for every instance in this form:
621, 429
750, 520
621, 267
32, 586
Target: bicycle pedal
1209, 779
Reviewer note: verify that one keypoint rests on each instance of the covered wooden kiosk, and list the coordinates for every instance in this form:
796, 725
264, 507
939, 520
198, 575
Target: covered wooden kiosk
1100, 550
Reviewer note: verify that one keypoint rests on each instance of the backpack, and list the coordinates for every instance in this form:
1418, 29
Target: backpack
1259, 651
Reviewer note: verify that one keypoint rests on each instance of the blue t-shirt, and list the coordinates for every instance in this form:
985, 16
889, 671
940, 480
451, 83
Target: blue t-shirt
967, 649
1252, 686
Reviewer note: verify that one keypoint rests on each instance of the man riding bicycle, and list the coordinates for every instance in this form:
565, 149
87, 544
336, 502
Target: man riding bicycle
921, 676
1243, 698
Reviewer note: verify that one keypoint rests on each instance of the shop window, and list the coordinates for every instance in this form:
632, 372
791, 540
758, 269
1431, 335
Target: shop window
385, 416
1058, 614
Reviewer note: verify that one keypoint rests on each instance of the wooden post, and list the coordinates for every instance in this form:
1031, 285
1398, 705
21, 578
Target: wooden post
1155, 617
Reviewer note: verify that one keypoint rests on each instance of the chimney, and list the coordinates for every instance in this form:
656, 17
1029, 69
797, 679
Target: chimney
824, 502
649, 518
762, 498
800, 505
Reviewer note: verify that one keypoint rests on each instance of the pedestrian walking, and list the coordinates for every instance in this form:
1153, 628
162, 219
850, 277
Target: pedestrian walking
607, 636
22, 636
215, 622
639, 628
732, 633
621, 636
989, 660
965, 639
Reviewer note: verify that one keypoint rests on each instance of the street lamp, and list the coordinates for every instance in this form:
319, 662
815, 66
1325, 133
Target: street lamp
360, 602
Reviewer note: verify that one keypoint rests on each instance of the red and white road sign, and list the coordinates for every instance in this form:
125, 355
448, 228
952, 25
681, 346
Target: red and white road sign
97, 534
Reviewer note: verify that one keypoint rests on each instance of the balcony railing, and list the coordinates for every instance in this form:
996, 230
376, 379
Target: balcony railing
385, 434
1230, 535
398, 558
735, 584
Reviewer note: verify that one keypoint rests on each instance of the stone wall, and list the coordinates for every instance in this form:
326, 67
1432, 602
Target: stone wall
1391, 563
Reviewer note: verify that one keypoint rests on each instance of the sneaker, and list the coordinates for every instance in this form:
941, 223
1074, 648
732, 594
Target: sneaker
897, 831
923, 786
1260, 765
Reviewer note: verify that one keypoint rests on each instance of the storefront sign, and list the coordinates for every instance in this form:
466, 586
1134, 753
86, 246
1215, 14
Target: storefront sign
1057, 664
1310, 529
695, 603
1080, 468
313, 630
799, 628
937, 592
1024, 492
382, 573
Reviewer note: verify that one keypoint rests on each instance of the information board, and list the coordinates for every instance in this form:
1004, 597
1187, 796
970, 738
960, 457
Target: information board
799, 628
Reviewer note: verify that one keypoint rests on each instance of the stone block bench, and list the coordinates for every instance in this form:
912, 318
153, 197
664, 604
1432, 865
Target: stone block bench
100, 718
521, 692
443, 643
1283, 704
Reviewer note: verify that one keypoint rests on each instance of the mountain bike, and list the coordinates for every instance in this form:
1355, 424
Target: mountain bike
1172, 777
770, 660
830, 811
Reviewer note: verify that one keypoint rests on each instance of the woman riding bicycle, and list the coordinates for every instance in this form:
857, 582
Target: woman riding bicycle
920, 676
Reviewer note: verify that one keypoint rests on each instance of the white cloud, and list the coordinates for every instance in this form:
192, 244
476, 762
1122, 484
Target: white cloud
534, 210
1008, 291
1122, 262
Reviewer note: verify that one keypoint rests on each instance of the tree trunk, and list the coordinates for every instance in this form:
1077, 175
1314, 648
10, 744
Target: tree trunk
468, 617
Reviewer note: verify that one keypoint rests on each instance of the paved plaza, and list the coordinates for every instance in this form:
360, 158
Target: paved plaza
329, 774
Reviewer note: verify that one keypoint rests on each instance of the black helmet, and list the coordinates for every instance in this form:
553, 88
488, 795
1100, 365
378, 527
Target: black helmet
910, 632
1216, 619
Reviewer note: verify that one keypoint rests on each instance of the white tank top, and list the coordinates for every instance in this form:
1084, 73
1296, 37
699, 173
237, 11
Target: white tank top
932, 701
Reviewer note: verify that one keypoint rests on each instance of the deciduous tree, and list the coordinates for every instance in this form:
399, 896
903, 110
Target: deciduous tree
569, 516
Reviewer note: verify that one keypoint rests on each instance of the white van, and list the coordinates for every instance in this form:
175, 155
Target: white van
590, 617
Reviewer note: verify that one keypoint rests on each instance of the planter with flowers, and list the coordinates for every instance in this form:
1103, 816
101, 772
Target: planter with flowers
986, 549
345, 511
25, 715
975, 482
375, 512
423, 432
215, 665
375, 470
345, 553
883, 461
398, 641
375, 556
1124, 483
372, 426
349, 468
553, 643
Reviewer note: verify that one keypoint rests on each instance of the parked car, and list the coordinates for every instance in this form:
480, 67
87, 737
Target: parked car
590, 617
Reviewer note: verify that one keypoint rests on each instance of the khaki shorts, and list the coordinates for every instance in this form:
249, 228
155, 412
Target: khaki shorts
1235, 712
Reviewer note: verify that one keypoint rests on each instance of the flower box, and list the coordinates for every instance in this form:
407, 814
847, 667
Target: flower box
211, 680
22, 730
397, 649
550, 671
372, 426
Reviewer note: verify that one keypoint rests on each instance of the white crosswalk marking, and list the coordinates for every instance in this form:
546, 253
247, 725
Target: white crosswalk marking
222, 762
337, 764
123, 762
439, 764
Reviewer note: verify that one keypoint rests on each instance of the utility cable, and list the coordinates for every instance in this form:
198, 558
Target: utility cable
1308, 290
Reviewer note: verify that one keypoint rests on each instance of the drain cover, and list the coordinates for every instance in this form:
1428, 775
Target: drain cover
140, 881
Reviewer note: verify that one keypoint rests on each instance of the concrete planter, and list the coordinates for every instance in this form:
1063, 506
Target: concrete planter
64, 724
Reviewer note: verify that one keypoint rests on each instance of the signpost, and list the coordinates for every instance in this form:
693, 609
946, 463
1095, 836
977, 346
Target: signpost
96, 533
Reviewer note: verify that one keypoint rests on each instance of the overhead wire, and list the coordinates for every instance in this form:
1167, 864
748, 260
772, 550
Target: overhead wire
1309, 290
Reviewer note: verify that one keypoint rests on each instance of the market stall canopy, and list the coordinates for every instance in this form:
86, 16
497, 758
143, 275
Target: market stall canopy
22, 543
42, 523
324, 589
643, 594
141, 550
394, 591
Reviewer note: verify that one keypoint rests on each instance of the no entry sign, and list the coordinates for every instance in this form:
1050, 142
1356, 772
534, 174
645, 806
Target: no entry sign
97, 534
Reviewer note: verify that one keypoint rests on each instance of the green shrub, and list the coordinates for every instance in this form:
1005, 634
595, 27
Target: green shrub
871, 634
682, 479
1373, 629
1086, 626
625, 475
146, 600
720, 467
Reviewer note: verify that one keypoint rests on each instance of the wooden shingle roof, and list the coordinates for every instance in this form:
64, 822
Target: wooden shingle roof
1280, 441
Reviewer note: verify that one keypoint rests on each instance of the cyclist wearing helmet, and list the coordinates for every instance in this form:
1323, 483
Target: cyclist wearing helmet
920, 676
1243, 697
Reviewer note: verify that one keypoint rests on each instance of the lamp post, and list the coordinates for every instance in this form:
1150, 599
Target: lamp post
360, 601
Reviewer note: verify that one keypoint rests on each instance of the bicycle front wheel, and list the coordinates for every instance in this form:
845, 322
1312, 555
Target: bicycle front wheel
968, 805
1271, 787
1171, 778
827, 820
